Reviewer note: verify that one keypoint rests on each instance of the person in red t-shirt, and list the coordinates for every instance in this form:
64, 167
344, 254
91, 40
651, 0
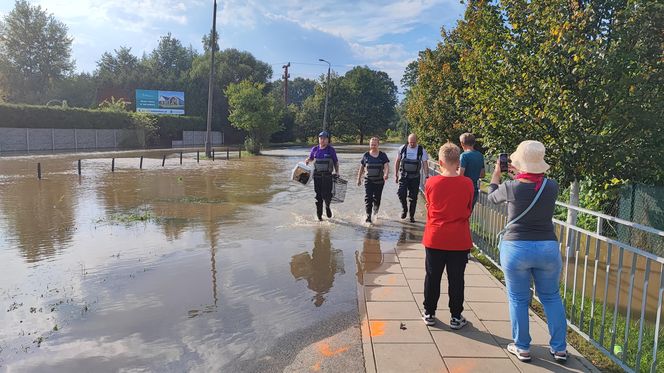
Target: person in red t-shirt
447, 235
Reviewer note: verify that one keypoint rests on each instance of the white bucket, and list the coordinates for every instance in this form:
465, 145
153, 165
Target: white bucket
302, 173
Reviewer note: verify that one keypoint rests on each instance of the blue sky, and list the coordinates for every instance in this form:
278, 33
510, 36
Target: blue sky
382, 34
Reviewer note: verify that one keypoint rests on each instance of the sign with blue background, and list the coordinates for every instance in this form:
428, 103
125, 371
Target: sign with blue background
159, 102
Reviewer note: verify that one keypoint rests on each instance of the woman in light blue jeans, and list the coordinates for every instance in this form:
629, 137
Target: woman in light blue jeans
529, 248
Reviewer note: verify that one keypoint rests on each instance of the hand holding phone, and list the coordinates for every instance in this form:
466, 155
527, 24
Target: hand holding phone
504, 167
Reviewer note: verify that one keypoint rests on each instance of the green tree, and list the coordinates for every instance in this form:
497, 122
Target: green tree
299, 89
77, 89
368, 101
35, 52
254, 112
581, 77
169, 61
436, 105
231, 66
120, 69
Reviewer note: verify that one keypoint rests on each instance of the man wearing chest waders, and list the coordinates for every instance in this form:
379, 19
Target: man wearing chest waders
325, 161
411, 160
376, 164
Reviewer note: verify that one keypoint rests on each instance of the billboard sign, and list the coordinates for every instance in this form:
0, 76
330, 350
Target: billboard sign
159, 102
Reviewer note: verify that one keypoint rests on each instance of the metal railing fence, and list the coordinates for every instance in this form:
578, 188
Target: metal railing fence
612, 291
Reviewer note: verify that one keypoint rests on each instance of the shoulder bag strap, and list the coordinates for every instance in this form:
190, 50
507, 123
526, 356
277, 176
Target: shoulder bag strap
537, 196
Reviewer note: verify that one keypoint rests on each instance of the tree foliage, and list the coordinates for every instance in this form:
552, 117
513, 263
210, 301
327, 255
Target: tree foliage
583, 77
35, 52
361, 103
254, 112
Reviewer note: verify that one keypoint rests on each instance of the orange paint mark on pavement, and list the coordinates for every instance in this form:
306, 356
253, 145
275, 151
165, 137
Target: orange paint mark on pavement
467, 366
391, 280
377, 328
316, 368
324, 349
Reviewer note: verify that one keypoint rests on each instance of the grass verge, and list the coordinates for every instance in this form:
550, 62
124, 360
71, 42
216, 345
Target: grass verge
595, 356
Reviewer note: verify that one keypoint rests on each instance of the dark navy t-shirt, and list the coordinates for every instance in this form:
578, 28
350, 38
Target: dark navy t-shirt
473, 163
368, 158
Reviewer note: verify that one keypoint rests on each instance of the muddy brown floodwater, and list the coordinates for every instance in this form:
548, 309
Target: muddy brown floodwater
210, 266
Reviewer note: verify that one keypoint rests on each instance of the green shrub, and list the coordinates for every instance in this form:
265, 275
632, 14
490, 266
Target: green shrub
160, 129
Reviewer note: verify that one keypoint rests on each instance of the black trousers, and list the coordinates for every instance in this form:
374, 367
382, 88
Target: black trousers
411, 188
476, 195
372, 195
323, 188
436, 261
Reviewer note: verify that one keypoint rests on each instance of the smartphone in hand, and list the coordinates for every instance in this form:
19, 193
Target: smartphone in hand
503, 162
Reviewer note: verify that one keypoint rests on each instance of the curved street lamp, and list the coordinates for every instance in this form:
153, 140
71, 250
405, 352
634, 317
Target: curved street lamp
327, 93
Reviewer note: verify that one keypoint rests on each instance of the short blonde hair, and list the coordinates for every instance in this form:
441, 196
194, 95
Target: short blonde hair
467, 139
449, 153
374, 138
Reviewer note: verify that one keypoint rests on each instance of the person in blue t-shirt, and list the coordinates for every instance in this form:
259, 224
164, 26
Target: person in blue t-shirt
472, 162
325, 161
375, 163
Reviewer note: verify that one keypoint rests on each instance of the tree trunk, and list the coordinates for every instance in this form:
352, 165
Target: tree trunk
572, 215
361, 139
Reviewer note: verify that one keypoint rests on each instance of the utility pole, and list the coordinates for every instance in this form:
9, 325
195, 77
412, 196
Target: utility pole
327, 93
213, 47
286, 76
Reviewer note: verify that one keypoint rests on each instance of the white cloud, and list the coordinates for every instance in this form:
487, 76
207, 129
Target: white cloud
238, 13
363, 21
361, 24
378, 51
131, 15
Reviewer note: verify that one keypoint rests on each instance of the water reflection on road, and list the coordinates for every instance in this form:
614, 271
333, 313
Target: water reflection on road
211, 266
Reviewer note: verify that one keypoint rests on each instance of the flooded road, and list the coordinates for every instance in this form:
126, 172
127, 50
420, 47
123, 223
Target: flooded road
210, 266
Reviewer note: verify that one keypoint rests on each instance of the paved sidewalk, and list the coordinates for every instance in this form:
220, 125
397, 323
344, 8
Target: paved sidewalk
395, 338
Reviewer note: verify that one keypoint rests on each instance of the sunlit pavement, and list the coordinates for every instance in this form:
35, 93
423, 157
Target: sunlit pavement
395, 338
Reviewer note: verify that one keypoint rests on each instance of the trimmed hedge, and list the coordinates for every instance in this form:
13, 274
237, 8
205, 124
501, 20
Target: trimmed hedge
30, 116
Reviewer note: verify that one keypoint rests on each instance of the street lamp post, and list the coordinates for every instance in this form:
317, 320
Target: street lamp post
327, 93
208, 134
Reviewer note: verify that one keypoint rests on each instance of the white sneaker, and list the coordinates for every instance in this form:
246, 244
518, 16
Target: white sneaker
523, 355
560, 356
457, 324
429, 320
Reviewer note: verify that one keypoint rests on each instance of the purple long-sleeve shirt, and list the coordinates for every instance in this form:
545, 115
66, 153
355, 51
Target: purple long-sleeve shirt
328, 152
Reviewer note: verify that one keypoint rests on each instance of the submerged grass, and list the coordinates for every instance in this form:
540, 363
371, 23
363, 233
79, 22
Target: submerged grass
129, 217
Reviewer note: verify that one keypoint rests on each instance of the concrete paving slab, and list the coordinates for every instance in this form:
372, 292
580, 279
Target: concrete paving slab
476, 269
443, 322
417, 285
414, 273
480, 365
543, 362
486, 281
442, 303
402, 357
410, 253
388, 293
388, 257
502, 331
491, 311
392, 311
409, 245
473, 344
483, 294
412, 263
385, 279
393, 331
383, 268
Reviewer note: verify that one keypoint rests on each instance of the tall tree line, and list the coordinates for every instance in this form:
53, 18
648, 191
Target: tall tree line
583, 77
36, 67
